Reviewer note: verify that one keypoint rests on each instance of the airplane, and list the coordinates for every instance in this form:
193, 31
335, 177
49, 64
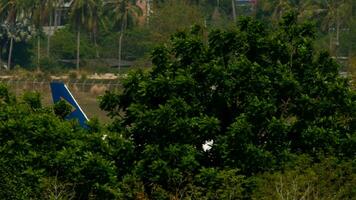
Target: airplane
61, 92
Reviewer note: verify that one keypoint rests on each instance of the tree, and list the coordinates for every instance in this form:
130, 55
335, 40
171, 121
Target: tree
80, 13
261, 96
53, 156
166, 21
38, 18
3, 39
336, 14
125, 13
94, 21
11, 10
52, 8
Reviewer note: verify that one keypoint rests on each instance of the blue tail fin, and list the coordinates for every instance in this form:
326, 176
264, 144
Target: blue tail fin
61, 92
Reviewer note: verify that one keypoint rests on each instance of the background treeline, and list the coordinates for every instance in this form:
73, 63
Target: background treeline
49, 34
280, 121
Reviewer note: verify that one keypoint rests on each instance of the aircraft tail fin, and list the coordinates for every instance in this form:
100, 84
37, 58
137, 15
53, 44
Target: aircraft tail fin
61, 92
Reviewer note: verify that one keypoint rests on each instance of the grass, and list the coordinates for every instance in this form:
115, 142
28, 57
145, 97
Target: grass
88, 102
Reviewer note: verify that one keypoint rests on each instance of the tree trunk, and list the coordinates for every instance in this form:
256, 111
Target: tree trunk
59, 18
38, 52
96, 46
55, 19
1, 65
330, 42
78, 48
233, 10
148, 5
49, 35
10, 53
337, 35
120, 49
123, 28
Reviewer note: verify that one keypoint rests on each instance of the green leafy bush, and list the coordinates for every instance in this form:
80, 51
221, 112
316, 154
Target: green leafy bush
329, 179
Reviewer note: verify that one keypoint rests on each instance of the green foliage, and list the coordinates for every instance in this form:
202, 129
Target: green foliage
280, 118
62, 109
330, 179
218, 184
51, 65
263, 96
64, 45
33, 100
166, 20
146, 24
170, 168
5, 96
22, 54
49, 153
13, 185
53, 189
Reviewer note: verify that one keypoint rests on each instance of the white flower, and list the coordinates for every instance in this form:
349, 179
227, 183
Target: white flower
213, 87
208, 145
104, 137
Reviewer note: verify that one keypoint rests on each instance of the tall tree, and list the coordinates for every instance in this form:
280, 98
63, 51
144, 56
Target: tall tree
3, 36
94, 22
10, 9
125, 14
81, 11
51, 8
335, 16
241, 90
40, 6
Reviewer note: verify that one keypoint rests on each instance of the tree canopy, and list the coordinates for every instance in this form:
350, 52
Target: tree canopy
130, 29
264, 97
278, 116
260, 95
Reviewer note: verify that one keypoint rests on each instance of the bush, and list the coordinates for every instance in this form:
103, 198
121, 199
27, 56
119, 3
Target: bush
329, 179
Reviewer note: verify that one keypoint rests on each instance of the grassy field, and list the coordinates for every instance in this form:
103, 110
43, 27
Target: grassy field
85, 96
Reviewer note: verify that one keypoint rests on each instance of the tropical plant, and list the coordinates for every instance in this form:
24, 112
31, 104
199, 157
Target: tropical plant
125, 14
38, 19
336, 16
95, 21
9, 11
80, 13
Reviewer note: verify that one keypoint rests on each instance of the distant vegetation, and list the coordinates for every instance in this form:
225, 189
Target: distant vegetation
60, 34
280, 121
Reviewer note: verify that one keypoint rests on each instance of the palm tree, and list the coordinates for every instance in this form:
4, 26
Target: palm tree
335, 15
10, 10
81, 12
53, 10
94, 21
3, 38
38, 17
50, 9
280, 8
233, 10
125, 11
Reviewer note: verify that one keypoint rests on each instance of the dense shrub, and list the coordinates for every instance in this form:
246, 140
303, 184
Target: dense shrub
329, 179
